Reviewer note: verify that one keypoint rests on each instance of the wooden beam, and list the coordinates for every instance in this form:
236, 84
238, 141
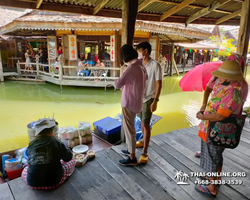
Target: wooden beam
176, 9
129, 14
159, 1
205, 11
227, 17
191, 6
100, 5
38, 3
144, 4
243, 38
125, 6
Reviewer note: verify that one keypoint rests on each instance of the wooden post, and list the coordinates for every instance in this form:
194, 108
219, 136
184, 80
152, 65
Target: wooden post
117, 52
243, 38
1, 68
61, 58
37, 65
184, 62
129, 13
170, 58
173, 61
18, 68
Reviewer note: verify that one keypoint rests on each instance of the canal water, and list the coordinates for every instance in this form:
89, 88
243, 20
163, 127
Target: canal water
22, 103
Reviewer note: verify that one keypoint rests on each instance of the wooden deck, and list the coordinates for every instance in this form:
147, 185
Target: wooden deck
103, 178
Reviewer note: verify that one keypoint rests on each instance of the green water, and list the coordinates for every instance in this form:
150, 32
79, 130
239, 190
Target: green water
21, 103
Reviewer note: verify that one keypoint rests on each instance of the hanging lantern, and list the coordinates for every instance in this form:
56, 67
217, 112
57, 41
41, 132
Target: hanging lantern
195, 50
190, 50
205, 51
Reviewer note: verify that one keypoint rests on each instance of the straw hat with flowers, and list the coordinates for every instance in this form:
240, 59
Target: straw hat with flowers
229, 70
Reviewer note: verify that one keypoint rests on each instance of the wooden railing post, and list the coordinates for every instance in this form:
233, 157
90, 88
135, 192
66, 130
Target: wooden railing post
37, 65
61, 58
18, 68
1, 68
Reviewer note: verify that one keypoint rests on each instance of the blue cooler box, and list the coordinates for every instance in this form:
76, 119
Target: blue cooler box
108, 129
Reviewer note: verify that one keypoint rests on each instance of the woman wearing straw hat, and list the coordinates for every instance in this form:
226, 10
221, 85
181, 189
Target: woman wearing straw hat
235, 57
226, 99
50, 162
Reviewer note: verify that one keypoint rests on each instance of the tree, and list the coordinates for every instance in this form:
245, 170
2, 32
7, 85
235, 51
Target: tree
225, 45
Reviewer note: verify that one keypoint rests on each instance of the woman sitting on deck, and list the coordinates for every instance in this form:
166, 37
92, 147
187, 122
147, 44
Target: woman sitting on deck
50, 162
81, 64
99, 72
228, 98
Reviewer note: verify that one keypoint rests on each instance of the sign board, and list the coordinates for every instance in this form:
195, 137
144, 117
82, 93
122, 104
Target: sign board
72, 47
63, 32
51, 41
112, 48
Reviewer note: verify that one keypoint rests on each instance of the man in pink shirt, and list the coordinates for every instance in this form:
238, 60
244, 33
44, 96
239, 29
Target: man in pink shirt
132, 83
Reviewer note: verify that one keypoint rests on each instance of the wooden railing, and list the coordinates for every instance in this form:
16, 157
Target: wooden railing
59, 71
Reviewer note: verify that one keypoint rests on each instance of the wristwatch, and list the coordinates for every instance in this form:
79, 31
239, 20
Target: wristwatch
156, 99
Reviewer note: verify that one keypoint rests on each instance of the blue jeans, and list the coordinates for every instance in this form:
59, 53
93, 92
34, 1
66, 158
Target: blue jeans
85, 71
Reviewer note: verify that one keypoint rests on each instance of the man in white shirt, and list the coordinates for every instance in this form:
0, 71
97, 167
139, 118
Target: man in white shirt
151, 97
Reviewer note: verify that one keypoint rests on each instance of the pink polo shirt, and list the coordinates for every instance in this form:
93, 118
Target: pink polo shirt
132, 83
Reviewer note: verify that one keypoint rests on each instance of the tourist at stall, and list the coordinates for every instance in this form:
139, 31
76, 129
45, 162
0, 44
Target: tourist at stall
96, 58
132, 83
227, 98
41, 57
59, 52
50, 162
28, 65
105, 55
151, 97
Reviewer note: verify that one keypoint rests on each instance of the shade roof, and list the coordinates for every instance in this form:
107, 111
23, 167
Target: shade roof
226, 12
40, 23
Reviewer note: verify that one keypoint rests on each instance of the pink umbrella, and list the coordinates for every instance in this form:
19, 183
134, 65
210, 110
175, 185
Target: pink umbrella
197, 78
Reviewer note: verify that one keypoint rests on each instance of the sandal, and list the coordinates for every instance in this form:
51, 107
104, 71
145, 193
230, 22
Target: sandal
197, 154
139, 144
204, 190
144, 158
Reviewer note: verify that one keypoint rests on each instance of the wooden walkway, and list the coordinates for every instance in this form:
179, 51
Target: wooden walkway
103, 178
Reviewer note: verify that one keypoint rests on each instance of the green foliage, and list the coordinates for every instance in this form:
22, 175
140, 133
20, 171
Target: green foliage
225, 45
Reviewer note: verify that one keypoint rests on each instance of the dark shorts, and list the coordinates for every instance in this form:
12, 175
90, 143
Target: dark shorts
146, 114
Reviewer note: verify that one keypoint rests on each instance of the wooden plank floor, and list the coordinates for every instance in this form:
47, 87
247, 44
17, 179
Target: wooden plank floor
103, 178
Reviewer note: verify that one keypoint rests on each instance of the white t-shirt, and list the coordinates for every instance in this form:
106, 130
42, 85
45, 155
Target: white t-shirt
154, 72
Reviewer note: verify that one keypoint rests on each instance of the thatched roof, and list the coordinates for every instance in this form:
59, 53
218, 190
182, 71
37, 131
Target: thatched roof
7, 15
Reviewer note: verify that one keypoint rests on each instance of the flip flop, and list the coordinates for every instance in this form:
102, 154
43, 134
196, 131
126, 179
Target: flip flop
203, 189
197, 154
139, 144
143, 159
